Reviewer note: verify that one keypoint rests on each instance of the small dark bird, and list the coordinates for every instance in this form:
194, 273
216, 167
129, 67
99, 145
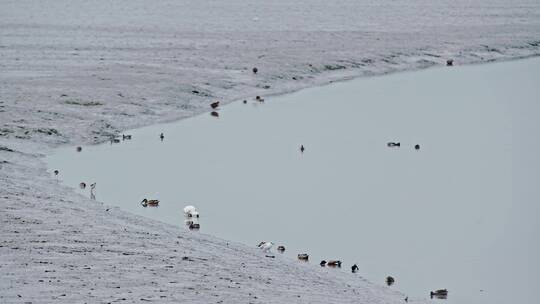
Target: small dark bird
82, 185
417, 147
302, 148
214, 104
126, 137
354, 268
161, 136
322, 263
245, 101
56, 172
79, 149
215, 114
281, 249
259, 98
389, 280
255, 70
194, 226
406, 299
450, 62
393, 144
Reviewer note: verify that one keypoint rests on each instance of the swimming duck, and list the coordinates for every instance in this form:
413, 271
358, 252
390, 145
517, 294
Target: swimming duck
281, 249
333, 263
322, 263
417, 147
354, 268
255, 70
56, 172
450, 62
126, 137
259, 98
79, 149
389, 280
215, 114
303, 256
393, 144
152, 203
194, 226
214, 104
440, 293
82, 185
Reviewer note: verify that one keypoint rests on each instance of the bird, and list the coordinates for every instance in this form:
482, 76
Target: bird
389, 280
417, 147
191, 211
322, 263
152, 202
126, 137
214, 104
450, 62
82, 185
334, 263
194, 226
245, 101
161, 136
303, 256
393, 144
407, 299
92, 186
440, 293
79, 149
265, 246
259, 98
56, 172
281, 249
302, 148
255, 70
354, 268
215, 114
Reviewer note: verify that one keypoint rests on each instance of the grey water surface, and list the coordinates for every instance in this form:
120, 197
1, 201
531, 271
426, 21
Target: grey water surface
460, 213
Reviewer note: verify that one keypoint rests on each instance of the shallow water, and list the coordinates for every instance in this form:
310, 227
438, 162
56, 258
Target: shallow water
460, 213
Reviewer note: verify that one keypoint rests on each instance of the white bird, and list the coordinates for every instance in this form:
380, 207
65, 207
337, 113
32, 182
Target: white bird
265, 246
191, 211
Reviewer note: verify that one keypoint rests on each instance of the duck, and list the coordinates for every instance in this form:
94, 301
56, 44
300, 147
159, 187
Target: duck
281, 248
354, 268
393, 144
259, 98
79, 149
265, 246
215, 114
302, 148
214, 104
389, 280
255, 70
322, 263
56, 172
161, 136
82, 185
450, 62
440, 293
191, 211
417, 147
303, 256
126, 137
334, 263
194, 226
152, 202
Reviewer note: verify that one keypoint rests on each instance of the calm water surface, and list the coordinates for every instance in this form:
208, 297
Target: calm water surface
461, 213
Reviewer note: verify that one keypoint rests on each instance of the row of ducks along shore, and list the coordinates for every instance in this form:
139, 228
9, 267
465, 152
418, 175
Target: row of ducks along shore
266, 246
